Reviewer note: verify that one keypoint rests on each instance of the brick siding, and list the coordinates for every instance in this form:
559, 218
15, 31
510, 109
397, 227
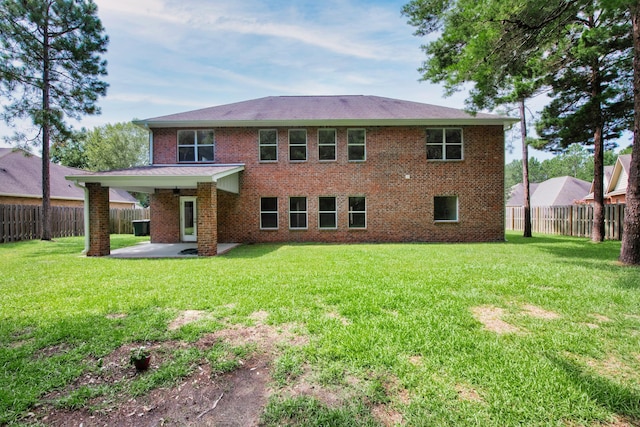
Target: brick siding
397, 180
99, 241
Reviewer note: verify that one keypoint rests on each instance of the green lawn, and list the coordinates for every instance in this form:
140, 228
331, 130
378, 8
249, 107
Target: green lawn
402, 321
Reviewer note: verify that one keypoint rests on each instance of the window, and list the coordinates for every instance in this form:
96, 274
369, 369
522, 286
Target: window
298, 212
195, 145
357, 212
444, 144
445, 208
269, 213
268, 144
356, 144
327, 213
326, 145
297, 145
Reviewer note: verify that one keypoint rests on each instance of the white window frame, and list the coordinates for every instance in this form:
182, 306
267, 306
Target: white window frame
352, 212
334, 145
260, 145
306, 151
305, 212
457, 208
269, 212
364, 145
334, 212
444, 144
196, 145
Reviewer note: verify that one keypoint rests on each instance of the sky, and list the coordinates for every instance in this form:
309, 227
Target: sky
170, 56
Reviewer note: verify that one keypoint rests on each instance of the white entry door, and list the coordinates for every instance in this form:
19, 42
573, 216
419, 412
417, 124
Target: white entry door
188, 219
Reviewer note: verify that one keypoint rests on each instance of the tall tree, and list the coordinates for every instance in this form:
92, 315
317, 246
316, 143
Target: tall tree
50, 69
116, 146
591, 90
70, 151
479, 42
630, 250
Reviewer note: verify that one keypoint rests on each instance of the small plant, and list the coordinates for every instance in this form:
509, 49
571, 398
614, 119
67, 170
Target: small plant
140, 358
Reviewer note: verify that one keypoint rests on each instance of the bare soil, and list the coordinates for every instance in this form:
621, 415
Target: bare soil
204, 398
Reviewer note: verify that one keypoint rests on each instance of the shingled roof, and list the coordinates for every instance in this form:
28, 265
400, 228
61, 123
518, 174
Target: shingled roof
21, 176
335, 110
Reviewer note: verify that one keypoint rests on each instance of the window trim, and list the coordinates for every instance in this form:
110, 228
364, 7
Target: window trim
444, 144
305, 145
270, 212
364, 145
350, 212
334, 145
195, 145
334, 212
450, 221
306, 212
260, 145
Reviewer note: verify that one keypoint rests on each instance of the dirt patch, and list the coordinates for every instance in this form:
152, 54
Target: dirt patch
114, 316
491, 318
539, 312
187, 316
468, 393
416, 360
600, 318
235, 398
341, 319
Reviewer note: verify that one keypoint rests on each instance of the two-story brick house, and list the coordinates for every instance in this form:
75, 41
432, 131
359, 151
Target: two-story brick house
315, 169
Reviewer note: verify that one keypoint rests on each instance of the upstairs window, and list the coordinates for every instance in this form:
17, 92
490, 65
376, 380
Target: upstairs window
357, 212
445, 208
326, 145
356, 145
196, 145
297, 145
268, 145
444, 144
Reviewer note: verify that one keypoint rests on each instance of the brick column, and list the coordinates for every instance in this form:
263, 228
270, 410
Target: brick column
207, 206
99, 240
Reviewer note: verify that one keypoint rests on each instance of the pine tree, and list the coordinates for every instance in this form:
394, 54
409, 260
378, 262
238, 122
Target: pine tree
50, 69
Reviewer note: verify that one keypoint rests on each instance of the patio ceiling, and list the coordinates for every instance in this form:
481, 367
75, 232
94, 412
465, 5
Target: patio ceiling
147, 179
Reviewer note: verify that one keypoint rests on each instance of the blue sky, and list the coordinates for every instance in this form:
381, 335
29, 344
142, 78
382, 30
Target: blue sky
168, 56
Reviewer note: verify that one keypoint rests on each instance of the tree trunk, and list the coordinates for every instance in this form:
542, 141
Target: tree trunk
525, 171
46, 134
597, 230
630, 251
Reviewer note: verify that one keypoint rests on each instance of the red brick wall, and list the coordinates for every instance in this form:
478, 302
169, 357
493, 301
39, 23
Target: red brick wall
207, 206
399, 209
165, 217
99, 241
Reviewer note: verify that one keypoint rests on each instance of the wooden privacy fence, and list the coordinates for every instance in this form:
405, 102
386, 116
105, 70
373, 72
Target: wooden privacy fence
121, 220
24, 222
575, 220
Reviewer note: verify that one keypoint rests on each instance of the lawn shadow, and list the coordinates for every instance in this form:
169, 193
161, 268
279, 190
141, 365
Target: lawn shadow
616, 398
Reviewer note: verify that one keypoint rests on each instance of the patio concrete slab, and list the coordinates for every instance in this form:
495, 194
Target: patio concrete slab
166, 250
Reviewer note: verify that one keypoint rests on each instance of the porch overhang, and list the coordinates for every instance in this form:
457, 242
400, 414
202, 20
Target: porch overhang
147, 179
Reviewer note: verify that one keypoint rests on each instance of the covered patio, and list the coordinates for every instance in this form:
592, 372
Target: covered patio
184, 203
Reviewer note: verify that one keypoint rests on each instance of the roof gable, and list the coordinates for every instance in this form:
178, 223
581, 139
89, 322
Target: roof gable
275, 110
619, 176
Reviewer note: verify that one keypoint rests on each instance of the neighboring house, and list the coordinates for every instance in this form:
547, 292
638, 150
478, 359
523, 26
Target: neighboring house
315, 169
21, 183
560, 191
615, 181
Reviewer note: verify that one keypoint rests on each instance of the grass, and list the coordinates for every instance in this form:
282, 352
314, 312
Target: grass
397, 316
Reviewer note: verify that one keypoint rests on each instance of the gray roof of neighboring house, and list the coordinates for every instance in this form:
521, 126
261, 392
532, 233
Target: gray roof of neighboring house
276, 110
560, 191
21, 176
516, 198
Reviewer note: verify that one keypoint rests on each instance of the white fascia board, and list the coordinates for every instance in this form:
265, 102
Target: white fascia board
506, 121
